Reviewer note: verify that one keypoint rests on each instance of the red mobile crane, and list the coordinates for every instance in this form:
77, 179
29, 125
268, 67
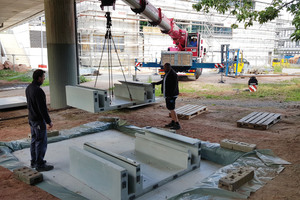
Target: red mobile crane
186, 56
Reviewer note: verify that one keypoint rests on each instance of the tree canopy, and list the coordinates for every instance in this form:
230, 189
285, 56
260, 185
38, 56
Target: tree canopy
245, 13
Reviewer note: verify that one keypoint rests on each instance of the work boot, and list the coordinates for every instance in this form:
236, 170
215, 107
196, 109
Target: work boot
171, 124
44, 168
176, 126
33, 164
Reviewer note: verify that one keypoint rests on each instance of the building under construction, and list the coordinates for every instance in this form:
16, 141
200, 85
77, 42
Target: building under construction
136, 38
97, 154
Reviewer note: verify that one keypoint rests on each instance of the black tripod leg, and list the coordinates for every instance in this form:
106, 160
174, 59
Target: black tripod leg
100, 62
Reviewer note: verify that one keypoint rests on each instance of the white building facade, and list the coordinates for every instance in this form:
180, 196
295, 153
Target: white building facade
136, 39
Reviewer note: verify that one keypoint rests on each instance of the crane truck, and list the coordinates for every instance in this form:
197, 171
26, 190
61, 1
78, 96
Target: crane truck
186, 57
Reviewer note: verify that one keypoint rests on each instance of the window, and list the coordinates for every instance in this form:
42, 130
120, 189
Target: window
35, 39
215, 29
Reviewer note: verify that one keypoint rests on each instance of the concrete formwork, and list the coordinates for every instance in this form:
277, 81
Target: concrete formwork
96, 100
152, 163
121, 146
12, 102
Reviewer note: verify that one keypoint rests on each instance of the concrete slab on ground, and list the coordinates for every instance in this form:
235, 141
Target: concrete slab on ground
12, 102
120, 143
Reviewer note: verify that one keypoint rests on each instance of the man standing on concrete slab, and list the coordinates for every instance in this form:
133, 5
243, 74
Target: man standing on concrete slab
38, 118
170, 90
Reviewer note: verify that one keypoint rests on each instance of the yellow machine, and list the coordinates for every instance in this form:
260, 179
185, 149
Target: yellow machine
241, 62
280, 62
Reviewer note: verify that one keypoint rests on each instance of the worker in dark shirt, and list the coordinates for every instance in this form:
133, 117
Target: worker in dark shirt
38, 118
193, 43
170, 91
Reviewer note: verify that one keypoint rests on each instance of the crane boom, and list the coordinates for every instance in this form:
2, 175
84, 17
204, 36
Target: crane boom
187, 57
156, 18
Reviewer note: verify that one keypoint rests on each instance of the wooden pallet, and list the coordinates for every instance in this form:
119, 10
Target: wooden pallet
259, 120
189, 111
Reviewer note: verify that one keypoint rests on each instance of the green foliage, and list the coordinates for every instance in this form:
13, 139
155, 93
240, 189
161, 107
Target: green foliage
83, 79
158, 91
245, 13
149, 79
278, 69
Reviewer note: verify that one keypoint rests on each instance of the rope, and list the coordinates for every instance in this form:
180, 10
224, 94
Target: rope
109, 38
122, 70
100, 62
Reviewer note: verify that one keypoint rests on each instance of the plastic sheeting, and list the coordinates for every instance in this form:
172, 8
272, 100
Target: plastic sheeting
264, 162
89, 128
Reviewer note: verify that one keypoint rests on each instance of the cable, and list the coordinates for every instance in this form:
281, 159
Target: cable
109, 39
100, 62
122, 69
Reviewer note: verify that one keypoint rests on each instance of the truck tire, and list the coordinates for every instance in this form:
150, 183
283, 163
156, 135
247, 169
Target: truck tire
198, 73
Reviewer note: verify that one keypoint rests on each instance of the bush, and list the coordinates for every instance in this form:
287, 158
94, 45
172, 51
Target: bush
82, 79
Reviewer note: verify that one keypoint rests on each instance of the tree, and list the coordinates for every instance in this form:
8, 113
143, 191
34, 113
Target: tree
244, 12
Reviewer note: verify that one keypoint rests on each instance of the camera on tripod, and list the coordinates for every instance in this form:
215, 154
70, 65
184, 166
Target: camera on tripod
105, 3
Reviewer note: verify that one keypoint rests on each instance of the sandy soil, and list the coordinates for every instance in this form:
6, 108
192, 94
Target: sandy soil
217, 123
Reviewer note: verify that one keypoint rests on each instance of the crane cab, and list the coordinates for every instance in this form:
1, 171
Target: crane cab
194, 44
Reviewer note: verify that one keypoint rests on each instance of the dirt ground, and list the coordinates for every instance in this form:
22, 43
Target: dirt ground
217, 123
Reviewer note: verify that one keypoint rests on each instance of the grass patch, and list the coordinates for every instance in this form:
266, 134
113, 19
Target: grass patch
278, 69
158, 91
282, 91
83, 79
25, 77
10, 75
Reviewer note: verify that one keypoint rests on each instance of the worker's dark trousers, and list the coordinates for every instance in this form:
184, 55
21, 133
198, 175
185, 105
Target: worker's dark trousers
38, 144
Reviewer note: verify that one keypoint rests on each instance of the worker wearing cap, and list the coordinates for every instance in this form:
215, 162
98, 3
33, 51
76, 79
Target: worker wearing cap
170, 91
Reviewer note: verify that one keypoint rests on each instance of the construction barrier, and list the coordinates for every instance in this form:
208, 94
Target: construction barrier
42, 66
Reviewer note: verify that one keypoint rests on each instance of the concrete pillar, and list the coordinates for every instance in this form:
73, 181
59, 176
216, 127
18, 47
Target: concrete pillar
61, 45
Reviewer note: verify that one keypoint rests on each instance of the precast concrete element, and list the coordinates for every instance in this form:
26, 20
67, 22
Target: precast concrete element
151, 147
150, 160
28, 175
135, 180
96, 100
12, 102
89, 99
62, 59
178, 142
102, 175
236, 179
236, 145
140, 92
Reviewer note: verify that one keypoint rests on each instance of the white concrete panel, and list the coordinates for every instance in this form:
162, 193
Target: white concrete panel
102, 175
122, 144
11, 102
